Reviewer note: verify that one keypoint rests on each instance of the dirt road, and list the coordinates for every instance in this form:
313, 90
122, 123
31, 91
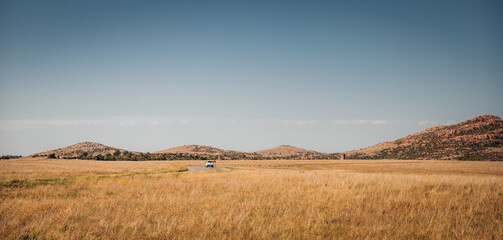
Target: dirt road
202, 168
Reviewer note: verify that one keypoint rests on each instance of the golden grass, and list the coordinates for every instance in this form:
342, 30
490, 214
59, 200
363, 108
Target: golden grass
381, 166
283, 200
32, 168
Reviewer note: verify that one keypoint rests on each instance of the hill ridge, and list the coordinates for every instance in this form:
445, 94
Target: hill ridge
479, 138
82, 149
285, 151
194, 148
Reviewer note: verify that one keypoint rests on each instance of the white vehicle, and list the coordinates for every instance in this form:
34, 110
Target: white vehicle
209, 164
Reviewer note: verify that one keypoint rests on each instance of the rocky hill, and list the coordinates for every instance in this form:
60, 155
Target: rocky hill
197, 149
206, 152
480, 138
82, 150
280, 152
285, 151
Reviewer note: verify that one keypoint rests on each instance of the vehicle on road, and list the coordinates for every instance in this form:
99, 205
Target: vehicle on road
210, 164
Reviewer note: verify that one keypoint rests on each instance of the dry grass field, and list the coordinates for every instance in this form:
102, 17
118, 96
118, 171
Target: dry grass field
326, 199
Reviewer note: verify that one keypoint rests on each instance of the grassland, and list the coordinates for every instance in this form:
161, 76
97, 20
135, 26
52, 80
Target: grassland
378, 199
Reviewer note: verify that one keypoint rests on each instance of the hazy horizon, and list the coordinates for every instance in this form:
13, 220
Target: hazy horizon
145, 121
321, 75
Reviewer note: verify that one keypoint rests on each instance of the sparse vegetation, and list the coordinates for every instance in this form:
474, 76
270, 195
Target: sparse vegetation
100, 152
478, 139
10, 157
35, 182
128, 156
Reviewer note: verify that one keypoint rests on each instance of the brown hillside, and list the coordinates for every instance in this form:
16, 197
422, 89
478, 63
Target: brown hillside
480, 138
197, 149
284, 151
76, 150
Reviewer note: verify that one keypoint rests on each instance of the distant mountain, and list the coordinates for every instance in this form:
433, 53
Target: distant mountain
205, 152
285, 151
88, 149
197, 149
480, 138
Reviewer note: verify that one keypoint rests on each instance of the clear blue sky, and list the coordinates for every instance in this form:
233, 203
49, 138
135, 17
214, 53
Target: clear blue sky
329, 76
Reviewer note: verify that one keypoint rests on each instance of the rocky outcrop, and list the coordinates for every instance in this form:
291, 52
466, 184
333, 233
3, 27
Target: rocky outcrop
480, 138
197, 149
83, 149
285, 151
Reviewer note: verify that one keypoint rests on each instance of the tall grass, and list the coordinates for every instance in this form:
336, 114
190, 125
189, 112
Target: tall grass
261, 203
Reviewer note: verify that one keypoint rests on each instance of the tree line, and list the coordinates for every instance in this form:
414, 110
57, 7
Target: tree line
130, 156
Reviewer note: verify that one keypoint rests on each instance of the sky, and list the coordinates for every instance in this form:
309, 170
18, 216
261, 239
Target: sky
329, 76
